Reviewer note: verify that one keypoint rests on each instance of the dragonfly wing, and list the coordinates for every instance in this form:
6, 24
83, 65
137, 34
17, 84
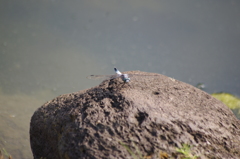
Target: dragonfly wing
97, 77
115, 76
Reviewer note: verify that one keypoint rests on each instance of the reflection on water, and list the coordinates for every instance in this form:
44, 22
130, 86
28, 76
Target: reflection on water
15, 113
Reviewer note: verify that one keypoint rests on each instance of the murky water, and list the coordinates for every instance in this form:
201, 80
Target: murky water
47, 48
15, 114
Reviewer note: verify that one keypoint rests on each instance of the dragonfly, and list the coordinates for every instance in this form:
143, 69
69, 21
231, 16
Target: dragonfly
124, 77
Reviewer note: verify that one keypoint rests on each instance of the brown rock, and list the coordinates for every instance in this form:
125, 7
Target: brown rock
150, 116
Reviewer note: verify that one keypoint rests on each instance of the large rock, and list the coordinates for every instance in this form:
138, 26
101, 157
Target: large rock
149, 116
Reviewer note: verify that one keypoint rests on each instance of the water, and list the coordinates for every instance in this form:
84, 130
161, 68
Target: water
49, 47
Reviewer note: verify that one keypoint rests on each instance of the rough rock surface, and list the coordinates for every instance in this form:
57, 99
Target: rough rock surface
150, 116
